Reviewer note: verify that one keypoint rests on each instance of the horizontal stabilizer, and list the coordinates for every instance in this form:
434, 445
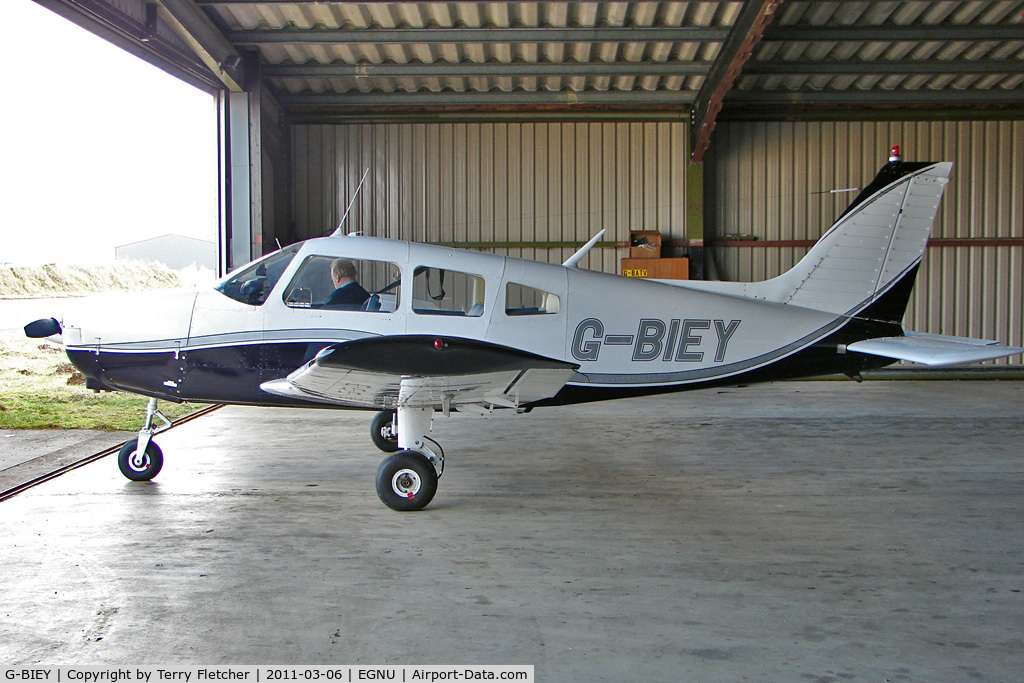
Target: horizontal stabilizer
934, 349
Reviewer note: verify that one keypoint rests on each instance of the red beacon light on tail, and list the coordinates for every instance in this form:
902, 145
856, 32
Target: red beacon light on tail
894, 154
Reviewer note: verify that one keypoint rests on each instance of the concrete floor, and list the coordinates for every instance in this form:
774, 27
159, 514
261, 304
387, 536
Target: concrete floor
814, 531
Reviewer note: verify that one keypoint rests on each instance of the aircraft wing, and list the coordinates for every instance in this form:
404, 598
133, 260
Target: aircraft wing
424, 371
934, 349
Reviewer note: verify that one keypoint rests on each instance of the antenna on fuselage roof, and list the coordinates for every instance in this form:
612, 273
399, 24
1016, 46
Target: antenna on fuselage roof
582, 251
337, 231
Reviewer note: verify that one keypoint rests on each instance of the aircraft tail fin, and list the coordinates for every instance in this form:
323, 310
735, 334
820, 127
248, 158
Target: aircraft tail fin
874, 247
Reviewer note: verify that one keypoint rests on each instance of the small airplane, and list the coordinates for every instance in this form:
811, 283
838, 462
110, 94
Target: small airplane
434, 329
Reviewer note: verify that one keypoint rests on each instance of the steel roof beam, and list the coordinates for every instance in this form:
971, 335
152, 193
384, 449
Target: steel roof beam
633, 34
888, 33
893, 68
947, 97
746, 32
474, 69
642, 34
518, 97
204, 38
381, 2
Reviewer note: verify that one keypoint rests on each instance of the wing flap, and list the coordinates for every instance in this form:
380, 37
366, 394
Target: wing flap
385, 372
335, 387
934, 349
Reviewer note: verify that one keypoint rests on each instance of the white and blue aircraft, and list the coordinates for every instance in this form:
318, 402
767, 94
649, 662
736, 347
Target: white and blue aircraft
443, 329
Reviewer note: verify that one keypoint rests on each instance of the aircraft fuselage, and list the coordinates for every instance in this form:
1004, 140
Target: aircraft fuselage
627, 336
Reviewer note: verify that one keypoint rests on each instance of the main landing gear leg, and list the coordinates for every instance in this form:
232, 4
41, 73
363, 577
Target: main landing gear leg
407, 480
140, 458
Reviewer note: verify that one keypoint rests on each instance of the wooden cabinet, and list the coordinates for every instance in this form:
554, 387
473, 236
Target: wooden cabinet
645, 259
657, 268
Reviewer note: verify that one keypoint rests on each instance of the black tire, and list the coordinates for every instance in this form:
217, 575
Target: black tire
406, 481
140, 469
384, 431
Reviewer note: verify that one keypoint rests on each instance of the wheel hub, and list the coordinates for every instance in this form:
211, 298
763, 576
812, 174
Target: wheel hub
406, 483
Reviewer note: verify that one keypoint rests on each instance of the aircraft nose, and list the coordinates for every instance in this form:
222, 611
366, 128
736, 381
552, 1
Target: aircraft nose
135, 321
128, 341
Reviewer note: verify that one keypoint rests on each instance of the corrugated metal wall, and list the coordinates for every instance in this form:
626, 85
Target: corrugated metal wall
773, 181
524, 186
531, 188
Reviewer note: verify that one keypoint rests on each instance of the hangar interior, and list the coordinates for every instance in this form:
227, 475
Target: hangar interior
736, 129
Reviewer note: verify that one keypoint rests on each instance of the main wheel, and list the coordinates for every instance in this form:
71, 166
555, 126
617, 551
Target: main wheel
140, 466
406, 481
384, 431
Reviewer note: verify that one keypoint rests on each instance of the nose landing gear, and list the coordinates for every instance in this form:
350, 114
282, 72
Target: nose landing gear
140, 459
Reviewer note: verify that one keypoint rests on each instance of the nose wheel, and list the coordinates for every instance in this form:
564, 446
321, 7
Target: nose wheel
140, 459
140, 464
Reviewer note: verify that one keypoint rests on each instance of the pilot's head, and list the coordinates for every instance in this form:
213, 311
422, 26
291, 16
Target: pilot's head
342, 270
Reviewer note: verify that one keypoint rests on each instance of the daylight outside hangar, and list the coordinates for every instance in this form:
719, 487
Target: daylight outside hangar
736, 131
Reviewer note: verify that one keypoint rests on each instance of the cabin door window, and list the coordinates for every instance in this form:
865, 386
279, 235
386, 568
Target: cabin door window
523, 300
437, 291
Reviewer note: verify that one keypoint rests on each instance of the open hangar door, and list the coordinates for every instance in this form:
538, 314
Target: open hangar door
525, 127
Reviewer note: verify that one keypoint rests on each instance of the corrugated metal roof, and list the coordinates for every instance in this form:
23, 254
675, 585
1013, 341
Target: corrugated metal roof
758, 56
523, 47
439, 51
986, 59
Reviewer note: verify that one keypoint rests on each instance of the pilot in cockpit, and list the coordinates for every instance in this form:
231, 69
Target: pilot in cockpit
348, 293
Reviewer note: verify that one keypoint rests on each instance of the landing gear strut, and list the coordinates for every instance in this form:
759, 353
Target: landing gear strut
140, 459
407, 480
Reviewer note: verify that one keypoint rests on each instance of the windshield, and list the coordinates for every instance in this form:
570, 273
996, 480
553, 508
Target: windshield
253, 283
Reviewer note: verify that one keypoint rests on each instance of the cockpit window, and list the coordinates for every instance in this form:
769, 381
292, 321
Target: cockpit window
252, 284
343, 284
447, 292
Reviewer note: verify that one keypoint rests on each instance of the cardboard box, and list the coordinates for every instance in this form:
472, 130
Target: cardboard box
657, 269
644, 244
